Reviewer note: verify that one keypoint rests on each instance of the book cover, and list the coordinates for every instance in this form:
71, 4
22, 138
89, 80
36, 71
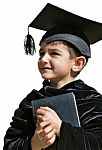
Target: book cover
64, 105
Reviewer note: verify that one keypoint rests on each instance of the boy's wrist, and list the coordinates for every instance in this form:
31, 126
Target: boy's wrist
34, 144
58, 129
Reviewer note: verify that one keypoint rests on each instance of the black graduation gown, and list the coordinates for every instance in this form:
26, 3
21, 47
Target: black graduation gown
86, 137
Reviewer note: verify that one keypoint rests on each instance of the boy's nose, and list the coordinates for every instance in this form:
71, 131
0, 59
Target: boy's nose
45, 58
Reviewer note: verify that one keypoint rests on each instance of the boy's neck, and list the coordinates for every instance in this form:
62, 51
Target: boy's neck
60, 84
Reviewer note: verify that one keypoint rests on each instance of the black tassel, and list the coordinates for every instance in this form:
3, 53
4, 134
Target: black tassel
29, 44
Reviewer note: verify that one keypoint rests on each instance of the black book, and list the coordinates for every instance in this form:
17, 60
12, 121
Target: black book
64, 105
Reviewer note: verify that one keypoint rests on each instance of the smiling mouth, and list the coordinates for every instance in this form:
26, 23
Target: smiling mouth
45, 68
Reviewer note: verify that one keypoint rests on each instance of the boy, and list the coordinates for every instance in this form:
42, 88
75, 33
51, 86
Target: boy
64, 52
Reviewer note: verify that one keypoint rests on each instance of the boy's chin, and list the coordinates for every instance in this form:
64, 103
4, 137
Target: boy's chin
46, 77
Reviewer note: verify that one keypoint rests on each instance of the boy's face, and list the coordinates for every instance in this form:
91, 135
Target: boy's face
55, 62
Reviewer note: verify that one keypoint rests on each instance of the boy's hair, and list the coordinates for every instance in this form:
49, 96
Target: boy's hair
76, 52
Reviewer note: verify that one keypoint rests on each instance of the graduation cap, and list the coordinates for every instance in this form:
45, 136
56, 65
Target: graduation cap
63, 25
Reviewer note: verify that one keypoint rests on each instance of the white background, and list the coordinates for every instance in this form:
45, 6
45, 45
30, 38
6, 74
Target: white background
18, 72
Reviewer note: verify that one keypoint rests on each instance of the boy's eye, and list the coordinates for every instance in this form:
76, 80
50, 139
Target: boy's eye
55, 53
41, 54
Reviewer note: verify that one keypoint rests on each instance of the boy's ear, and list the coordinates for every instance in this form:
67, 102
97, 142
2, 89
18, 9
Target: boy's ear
79, 64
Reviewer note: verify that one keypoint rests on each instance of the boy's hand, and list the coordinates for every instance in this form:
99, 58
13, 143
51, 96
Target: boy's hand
46, 114
43, 137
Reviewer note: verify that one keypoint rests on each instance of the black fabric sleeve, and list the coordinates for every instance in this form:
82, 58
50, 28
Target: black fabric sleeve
71, 138
78, 139
89, 135
18, 135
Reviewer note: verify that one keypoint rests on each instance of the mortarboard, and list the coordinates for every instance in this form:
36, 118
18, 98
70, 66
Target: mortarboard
63, 25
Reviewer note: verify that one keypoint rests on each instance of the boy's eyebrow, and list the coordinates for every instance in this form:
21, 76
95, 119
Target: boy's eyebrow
56, 50
51, 49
